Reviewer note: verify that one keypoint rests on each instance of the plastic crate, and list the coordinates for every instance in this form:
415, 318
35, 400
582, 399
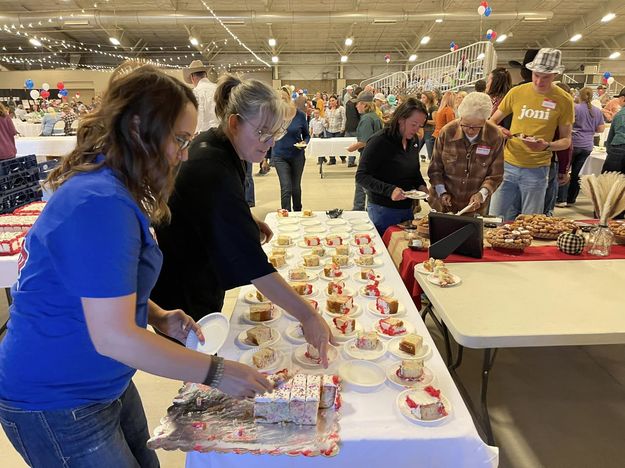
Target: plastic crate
13, 165
46, 167
12, 200
18, 180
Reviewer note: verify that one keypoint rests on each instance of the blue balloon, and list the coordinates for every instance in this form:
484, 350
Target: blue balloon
305, 90
63, 92
29, 84
607, 75
489, 36
451, 44
488, 11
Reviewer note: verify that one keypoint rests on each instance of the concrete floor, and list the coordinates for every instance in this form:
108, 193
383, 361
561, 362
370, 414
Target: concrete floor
550, 407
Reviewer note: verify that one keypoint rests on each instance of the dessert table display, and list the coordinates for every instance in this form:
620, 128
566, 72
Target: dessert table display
594, 162
27, 129
326, 147
398, 401
45, 145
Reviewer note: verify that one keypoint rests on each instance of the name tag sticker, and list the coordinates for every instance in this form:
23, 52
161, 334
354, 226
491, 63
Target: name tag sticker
483, 150
549, 104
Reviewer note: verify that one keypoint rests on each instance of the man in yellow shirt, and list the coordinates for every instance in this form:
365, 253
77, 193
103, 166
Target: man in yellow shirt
539, 109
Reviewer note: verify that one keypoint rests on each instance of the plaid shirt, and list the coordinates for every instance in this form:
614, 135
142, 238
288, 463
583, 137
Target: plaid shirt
335, 120
457, 165
69, 119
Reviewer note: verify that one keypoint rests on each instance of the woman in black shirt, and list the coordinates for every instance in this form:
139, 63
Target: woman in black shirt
213, 242
389, 165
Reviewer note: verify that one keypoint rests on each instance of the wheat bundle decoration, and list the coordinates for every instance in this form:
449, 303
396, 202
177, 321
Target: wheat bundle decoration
607, 193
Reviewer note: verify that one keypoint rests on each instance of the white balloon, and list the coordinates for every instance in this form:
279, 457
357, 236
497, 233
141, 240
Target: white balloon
611, 80
34, 94
481, 9
490, 31
45, 86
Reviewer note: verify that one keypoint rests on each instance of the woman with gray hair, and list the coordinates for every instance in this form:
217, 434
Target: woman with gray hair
213, 242
467, 166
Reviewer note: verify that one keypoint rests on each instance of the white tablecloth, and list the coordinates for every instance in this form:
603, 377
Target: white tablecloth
373, 432
46, 145
8, 270
324, 147
593, 163
603, 136
27, 129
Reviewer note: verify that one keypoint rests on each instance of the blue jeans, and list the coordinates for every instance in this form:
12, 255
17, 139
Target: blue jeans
552, 189
351, 159
428, 141
383, 217
569, 192
290, 172
522, 191
249, 184
111, 434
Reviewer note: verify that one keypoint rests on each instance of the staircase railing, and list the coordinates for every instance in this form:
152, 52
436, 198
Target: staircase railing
389, 84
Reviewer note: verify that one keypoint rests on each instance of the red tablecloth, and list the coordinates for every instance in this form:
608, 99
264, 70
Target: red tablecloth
410, 258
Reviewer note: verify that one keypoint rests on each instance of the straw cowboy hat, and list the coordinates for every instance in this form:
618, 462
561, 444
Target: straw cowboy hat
194, 67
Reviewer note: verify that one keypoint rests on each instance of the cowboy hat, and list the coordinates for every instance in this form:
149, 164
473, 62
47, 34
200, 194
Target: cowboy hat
547, 61
529, 56
194, 67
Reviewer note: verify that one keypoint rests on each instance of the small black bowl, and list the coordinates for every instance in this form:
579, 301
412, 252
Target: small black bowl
335, 213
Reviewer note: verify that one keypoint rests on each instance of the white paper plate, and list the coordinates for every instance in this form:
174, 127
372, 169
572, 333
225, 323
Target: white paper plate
288, 220
340, 229
287, 255
363, 374
401, 310
376, 262
355, 312
250, 298
338, 336
246, 358
336, 222
407, 325
303, 245
274, 243
310, 276
426, 379
301, 265
242, 339
276, 313
367, 354
347, 291
291, 334
315, 230
356, 277
415, 195
362, 227
288, 228
307, 222
299, 355
393, 347
384, 291
301, 214
434, 280
400, 402
215, 328
421, 269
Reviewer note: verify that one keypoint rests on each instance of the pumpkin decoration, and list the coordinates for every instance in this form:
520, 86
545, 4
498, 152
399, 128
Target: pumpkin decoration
571, 243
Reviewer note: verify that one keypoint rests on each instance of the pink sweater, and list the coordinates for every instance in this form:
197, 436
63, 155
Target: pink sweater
7, 138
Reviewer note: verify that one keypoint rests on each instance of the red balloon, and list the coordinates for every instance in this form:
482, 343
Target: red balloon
604, 80
484, 4
456, 46
60, 85
493, 35
45, 94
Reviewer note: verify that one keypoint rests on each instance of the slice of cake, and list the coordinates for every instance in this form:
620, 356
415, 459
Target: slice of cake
307, 213
340, 260
297, 403
311, 260
345, 325
278, 251
367, 274
261, 312
367, 340
258, 335
410, 369
341, 249
333, 240
313, 393
340, 304
314, 304
392, 326
283, 213
329, 389
303, 289
366, 249
284, 240
386, 305
260, 296
273, 407
298, 274
312, 353
278, 261
426, 405
444, 278
366, 260
362, 239
264, 357
312, 241
336, 287
411, 343
319, 250
332, 270
432, 263
372, 289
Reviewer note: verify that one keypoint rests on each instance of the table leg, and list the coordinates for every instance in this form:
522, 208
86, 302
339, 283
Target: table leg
487, 365
458, 361
444, 331
320, 167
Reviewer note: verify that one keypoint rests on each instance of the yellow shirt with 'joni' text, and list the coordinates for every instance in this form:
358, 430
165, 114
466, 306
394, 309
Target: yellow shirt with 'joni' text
537, 115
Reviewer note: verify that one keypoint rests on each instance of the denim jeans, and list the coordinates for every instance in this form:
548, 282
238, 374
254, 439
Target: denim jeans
250, 198
552, 189
569, 192
109, 434
615, 159
428, 141
290, 172
522, 191
351, 159
383, 217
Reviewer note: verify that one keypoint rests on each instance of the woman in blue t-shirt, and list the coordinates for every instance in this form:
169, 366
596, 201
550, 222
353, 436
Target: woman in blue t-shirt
81, 306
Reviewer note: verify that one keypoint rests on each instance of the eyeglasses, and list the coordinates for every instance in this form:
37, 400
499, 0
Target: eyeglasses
183, 143
470, 127
264, 137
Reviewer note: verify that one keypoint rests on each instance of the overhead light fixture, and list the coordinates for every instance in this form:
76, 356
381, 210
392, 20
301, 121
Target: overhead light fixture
114, 41
384, 21
343, 58
34, 42
481, 56
608, 17
615, 55
425, 40
349, 41
439, 20
412, 58
194, 41
501, 38
576, 37
275, 59
272, 42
